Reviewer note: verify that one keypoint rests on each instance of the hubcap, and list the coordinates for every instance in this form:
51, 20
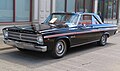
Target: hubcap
104, 39
60, 48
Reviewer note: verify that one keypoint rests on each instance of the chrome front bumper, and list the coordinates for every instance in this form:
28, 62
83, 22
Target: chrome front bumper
28, 46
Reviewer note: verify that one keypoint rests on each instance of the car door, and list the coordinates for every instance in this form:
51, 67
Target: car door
95, 27
86, 33
73, 28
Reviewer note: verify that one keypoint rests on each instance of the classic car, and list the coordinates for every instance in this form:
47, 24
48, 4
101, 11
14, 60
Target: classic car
59, 32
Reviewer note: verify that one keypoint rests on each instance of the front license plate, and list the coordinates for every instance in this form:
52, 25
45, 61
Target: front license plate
25, 45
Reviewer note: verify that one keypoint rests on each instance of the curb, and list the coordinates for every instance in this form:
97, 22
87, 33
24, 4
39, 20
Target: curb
4, 47
7, 48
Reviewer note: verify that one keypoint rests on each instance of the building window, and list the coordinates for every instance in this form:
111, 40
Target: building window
88, 6
74, 5
60, 6
107, 9
80, 6
84, 5
115, 9
22, 10
6, 10
70, 5
15, 10
110, 9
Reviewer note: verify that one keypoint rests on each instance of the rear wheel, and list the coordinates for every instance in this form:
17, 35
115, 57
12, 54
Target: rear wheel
60, 49
103, 40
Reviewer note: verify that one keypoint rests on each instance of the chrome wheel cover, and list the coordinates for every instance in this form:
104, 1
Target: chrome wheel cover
104, 39
60, 48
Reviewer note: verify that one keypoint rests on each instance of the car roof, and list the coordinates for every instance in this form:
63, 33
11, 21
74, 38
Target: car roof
64, 13
79, 13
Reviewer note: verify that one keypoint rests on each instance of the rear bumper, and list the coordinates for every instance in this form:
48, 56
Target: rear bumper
28, 46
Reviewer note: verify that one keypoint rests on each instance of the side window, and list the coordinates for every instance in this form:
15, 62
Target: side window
74, 19
94, 20
85, 20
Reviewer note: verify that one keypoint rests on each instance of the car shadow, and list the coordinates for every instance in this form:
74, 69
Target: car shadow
36, 59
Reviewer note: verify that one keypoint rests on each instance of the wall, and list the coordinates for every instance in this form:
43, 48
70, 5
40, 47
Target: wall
96, 6
119, 14
35, 11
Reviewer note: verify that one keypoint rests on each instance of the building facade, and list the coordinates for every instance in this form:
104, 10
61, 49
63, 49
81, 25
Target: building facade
15, 12
107, 9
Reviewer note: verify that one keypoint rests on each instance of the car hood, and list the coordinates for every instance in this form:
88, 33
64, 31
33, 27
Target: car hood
32, 28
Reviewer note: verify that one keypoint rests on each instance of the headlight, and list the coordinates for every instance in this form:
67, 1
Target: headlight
5, 32
40, 39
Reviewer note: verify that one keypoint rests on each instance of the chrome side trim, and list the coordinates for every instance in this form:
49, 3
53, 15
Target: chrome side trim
75, 33
84, 43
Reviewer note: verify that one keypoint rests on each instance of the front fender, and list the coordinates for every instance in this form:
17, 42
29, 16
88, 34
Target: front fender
62, 37
66, 39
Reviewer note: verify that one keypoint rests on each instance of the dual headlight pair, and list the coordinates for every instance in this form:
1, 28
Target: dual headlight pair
40, 40
5, 33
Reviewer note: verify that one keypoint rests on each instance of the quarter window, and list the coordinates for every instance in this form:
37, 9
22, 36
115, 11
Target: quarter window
94, 20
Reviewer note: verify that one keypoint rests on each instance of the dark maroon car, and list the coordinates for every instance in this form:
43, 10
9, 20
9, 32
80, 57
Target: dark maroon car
59, 32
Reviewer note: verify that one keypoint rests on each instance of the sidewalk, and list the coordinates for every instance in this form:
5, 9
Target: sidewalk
2, 45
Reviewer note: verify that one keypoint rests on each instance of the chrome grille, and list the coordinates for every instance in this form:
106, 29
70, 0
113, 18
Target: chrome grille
22, 36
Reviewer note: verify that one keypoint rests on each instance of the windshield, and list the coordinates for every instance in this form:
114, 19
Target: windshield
61, 18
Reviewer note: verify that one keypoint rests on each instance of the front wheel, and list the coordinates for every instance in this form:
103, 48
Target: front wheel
103, 40
60, 49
